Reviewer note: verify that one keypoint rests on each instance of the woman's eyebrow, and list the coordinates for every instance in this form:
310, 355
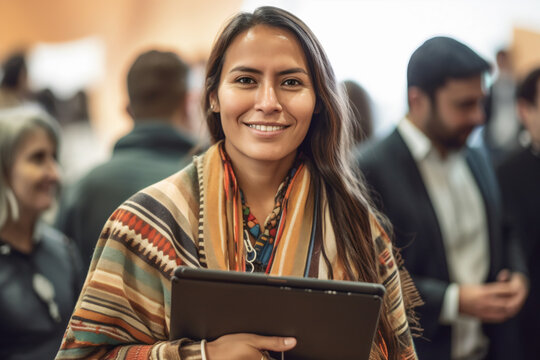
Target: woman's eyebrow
256, 71
245, 69
293, 71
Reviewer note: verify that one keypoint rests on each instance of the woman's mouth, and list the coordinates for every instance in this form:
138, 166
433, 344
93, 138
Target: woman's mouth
267, 128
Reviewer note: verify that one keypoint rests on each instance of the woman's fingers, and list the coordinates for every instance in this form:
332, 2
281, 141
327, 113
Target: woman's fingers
273, 343
246, 346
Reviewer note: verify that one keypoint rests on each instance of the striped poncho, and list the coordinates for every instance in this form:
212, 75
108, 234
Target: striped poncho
123, 310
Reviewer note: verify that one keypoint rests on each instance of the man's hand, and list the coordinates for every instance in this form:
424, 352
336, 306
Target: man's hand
519, 285
494, 302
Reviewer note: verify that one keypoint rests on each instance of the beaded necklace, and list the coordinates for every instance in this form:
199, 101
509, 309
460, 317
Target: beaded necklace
264, 239
259, 257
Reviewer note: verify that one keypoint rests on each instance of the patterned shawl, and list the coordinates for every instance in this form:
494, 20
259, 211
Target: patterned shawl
191, 219
220, 215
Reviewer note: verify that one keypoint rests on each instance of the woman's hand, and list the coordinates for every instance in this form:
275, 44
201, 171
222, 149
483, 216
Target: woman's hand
246, 346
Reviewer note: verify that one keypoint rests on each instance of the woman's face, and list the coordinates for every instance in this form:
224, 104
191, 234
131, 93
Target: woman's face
34, 175
265, 96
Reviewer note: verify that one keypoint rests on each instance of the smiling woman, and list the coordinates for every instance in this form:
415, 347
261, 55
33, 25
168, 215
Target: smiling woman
265, 97
265, 101
34, 176
275, 193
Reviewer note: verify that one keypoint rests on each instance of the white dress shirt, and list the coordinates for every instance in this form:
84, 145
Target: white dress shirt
461, 214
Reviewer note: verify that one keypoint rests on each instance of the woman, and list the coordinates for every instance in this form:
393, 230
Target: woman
40, 274
276, 118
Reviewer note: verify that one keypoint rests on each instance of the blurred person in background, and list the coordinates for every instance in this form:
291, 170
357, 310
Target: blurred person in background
14, 84
14, 88
40, 269
502, 126
444, 203
519, 178
361, 106
280, 160
158, 146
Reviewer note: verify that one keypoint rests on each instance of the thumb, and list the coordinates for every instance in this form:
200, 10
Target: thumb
504, 275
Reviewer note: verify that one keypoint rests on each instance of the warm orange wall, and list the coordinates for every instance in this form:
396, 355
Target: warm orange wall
126, 27
525, 51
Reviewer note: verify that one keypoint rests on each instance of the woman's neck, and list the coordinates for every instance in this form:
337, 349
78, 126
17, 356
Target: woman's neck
259, 181
19, 234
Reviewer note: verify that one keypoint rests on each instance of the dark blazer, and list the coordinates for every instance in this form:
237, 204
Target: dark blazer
399, 191
519, 177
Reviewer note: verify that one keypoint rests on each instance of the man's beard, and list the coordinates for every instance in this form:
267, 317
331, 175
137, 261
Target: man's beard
442, 136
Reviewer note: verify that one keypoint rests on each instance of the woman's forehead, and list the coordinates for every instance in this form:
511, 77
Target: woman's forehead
30, 135
262, 43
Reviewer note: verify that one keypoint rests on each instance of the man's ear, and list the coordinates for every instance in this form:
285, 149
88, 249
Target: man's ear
414, 97
214, 102
418, 100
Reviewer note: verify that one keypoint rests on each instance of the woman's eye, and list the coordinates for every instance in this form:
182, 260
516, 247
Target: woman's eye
291, 82
38, 157
245, 80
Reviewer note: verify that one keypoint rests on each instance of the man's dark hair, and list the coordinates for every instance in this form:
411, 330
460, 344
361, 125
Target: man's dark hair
360, 105
157, 84
528, 88
442, 58
12, 68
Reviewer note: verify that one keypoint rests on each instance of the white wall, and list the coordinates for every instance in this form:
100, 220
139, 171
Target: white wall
371, 41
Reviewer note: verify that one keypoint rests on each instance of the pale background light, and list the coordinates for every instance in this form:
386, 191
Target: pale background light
67, 67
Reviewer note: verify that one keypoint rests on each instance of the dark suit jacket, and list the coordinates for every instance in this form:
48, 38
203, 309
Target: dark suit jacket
519, 177
399, 192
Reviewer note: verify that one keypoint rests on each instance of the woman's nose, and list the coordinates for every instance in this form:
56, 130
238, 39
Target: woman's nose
53, 170
267, 99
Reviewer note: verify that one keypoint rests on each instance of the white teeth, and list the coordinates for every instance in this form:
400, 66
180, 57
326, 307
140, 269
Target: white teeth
267, 128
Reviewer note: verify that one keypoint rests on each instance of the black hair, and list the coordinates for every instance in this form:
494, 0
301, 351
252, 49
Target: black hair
12, 68
442, 58
527, 90
360, 105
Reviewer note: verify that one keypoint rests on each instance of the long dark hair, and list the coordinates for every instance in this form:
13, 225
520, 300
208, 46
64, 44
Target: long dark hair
326, 145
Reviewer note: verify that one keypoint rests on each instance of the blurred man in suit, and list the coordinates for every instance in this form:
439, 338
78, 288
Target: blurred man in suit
519, 177
443, 201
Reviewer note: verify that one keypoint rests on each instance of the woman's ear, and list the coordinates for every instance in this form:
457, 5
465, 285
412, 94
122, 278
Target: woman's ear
214, 103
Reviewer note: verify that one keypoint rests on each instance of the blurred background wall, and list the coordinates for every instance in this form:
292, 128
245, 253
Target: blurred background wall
77, 45
61, 36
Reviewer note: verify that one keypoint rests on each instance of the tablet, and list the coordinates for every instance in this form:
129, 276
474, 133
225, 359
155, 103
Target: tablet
330, 319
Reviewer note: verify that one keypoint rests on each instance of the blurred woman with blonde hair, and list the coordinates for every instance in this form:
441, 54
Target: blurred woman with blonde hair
40, 270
